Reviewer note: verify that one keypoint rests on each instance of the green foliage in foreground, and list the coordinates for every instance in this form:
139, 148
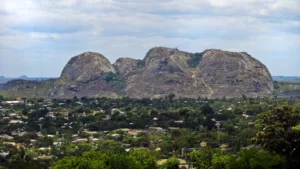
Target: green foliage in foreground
171, 163
245, 159
143, 159
23, 159
279, 133
109, 160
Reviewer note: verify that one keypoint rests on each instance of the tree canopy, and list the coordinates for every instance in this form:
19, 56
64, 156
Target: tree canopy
278, 133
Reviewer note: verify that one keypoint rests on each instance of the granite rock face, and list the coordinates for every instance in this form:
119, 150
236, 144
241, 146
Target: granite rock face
86, 67
209, 74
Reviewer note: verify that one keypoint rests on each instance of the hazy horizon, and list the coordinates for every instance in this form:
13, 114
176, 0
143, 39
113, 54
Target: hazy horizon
38, 37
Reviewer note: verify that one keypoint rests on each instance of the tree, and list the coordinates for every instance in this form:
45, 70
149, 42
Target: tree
110, 76
276, 85
224, 161
171, 163
171, 96
45, 141
201, 158
245, 159
23, 158
258, 159
207, 109
110, 160
24, 111
144, 157
75, 99
279, 133
1, 98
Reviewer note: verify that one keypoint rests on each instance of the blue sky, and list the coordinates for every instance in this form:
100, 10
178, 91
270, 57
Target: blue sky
38, 37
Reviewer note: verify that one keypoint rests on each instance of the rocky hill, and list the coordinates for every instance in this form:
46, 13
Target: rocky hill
86, 67
211, 74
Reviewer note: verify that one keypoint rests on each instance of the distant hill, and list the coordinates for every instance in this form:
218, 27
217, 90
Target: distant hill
286, 78
23, 77
212, 73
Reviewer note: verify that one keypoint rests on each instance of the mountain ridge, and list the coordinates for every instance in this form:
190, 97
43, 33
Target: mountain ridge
212, 73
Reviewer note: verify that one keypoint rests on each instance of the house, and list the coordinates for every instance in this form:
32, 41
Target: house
178, 121
113, 111
134, 133
90, 132
203, 144
13, 102
6, 137
22, 133
188, 150
225, 147
51, 115
15, 122
173, 128
33, 141
4, 154
57, 143
245, 116
182, 163
44, 149
24, 117
80, 140
218, 124
14, 133
125, 130
12, 115
79, 103
4, 110
75, 136
98, 112
156, 129
39, 134
10, 143
251, 123
93, 140
115, 135
43, 157
140, 148
158, 149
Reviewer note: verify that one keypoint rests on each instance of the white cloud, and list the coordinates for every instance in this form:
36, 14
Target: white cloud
48, 30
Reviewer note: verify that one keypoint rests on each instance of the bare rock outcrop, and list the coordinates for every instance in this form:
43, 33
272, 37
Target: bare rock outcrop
209, 74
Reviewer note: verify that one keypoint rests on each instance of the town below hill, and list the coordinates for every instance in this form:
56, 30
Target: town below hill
93, 133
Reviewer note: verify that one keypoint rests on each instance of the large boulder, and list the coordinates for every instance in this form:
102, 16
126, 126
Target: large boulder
86, 67
211, 74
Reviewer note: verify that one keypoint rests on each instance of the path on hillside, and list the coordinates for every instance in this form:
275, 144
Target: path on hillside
186, 71
177, 63
195, 79
209, 88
